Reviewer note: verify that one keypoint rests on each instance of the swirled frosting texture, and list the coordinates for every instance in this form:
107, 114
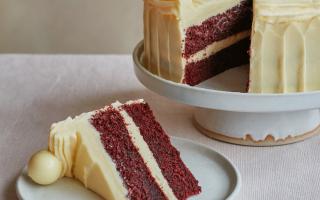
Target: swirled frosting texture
165, 23
285, 47
76, 143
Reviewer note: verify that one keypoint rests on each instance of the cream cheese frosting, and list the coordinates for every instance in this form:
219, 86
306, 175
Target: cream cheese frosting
191, 12
76, 143
165, 22
284, 49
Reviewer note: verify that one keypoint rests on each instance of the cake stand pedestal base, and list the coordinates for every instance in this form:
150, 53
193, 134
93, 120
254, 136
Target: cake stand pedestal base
258, 129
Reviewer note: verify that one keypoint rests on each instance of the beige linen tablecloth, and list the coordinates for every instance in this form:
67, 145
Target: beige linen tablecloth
36, 90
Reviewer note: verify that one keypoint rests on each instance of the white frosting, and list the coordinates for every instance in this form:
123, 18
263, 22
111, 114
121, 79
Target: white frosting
288, 2
77, 144
165, 22
284, 50
191, 12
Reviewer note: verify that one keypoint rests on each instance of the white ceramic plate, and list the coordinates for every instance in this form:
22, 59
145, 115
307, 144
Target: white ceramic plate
217, 176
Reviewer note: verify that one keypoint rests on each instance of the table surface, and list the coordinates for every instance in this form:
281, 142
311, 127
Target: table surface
37, 90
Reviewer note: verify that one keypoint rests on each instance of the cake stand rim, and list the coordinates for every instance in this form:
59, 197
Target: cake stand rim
195, 96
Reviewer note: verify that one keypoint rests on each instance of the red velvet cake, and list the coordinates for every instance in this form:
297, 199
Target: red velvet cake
121, 152
189, 41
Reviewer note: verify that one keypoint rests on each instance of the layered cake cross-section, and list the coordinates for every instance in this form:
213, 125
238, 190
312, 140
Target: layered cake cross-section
121, 152
189, 41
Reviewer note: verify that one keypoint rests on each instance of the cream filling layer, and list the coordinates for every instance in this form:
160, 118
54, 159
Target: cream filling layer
145, 151
165, 22
77, 144
217, 46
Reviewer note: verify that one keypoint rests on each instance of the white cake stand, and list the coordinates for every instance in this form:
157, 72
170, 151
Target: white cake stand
226, 113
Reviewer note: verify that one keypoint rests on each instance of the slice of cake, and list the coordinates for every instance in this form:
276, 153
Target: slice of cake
285, 49
189, 41
121, 152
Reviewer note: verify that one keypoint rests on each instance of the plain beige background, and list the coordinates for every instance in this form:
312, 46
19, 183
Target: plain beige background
70, 26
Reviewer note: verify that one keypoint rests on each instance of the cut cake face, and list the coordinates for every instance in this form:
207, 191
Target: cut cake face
189, 41
122, 152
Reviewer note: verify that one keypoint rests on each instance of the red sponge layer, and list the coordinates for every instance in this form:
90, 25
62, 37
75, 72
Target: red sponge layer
219, 27
233, 56
168, 158
116, 141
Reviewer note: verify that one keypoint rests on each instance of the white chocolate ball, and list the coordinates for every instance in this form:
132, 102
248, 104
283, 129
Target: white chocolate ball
44, 168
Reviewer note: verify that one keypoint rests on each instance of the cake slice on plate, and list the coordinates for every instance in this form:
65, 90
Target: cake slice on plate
119, 152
